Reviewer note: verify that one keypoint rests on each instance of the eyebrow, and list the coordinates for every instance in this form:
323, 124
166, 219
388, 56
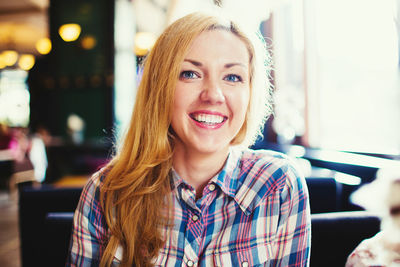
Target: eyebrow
227, 65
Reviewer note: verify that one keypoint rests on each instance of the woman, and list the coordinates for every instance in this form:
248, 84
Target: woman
183, 189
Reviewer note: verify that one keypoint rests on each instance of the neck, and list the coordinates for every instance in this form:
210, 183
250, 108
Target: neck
197, 169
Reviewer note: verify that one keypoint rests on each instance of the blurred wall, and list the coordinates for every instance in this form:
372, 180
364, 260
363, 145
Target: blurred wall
76, 77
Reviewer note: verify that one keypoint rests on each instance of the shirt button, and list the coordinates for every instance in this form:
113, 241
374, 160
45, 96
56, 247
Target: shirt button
211, 187
245, 264
189, 263
195, 218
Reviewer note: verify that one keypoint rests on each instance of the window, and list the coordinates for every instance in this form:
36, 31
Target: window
14, 98
338, 62
125, 64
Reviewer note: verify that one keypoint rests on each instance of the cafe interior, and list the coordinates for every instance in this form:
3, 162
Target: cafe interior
69, 71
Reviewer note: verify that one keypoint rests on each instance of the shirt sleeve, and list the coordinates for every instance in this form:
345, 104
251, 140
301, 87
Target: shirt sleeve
89, 232
293, 237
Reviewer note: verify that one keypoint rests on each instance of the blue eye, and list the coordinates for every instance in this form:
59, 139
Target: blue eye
188, 74
233, 78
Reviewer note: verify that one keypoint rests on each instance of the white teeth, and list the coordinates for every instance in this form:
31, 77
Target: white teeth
208, 118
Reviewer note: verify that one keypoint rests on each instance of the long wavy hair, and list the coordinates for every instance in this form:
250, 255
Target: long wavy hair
135, 190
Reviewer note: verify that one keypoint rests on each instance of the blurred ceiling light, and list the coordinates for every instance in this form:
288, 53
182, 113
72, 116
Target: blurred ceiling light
10, 57
88, 42
26, 61
69, 32
144, 41
43, 46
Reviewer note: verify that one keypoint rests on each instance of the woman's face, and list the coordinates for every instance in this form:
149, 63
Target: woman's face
212, 93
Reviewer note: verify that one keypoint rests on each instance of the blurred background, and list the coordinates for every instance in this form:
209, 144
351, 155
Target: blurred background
69, 72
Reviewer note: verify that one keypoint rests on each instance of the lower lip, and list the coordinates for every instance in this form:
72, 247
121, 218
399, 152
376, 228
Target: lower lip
209, 126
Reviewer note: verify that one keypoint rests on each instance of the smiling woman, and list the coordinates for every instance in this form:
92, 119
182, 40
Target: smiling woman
183, 188
210, 102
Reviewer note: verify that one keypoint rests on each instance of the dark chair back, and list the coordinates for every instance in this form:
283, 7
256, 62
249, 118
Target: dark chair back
335, 235
59, 229
325, 194
36, 234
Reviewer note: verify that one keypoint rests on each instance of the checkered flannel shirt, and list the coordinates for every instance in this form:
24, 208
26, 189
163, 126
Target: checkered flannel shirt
255, 212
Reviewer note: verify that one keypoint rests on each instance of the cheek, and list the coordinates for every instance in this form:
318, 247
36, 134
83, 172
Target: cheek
180, 98
241, 102
183, 97
185, 93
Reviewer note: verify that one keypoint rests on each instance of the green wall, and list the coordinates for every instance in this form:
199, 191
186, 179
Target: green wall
74, 80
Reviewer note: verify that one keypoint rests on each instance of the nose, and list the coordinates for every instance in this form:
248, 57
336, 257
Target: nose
212, 92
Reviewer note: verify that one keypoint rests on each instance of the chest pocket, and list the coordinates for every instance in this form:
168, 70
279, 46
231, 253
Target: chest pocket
256, 256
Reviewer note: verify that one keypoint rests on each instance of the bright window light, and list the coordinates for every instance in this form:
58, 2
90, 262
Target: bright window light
357, 75
14, 98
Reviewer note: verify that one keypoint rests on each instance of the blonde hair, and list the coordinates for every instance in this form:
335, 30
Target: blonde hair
137, 181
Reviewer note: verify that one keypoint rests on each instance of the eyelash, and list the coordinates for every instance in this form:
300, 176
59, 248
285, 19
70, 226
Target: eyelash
186, 72
237, 78
183, 75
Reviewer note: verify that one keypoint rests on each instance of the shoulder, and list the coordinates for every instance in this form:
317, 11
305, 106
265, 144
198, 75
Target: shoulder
91, 191
269, 166
265, 173
90, 230
95, 181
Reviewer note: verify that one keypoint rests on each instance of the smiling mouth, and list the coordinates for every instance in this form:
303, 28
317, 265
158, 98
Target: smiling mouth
208, 119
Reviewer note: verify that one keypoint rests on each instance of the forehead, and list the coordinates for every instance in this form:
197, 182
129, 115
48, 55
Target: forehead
219, 45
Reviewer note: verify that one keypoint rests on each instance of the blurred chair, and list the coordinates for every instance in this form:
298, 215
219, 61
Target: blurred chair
335, 235
36, 235
330, 190
59, 228
6, 170
325, 194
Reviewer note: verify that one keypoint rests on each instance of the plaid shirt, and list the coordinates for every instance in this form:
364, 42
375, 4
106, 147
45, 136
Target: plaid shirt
255, 212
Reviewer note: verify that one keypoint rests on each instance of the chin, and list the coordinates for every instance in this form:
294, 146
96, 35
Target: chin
212, 149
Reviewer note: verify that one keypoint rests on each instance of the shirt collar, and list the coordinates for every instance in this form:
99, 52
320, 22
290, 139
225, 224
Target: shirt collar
228, 179
233, 182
